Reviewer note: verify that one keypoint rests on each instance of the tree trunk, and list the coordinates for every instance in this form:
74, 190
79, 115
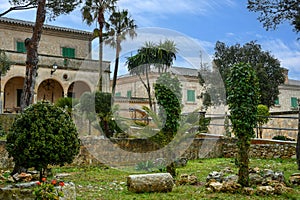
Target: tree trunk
298, 138
148, 88
32, 56
243, 161
114, 83
101, 22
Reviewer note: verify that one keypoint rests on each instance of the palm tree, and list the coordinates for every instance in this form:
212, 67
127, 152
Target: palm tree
146, 56
4, 67
95, 10
170, 54
120, 26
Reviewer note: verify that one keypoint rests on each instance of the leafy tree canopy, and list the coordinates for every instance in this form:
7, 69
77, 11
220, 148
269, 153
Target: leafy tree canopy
54, 8
273, 13
43, 135
267, 68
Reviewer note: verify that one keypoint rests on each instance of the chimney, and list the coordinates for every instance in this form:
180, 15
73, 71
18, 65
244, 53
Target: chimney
286, 75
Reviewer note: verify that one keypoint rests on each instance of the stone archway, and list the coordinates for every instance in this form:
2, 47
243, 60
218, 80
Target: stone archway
77, 88
12, 94
49, 90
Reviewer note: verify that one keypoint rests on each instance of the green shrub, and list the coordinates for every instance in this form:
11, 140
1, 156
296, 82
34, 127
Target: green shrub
67, 103
282, 137
43, 134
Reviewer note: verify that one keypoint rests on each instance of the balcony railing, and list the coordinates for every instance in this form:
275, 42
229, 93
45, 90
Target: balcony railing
61, 62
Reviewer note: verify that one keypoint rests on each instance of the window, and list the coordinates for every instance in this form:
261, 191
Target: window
68, 52
191, 95
21, 47
276, 102
118, 94
129, 94
19, 94
294, 102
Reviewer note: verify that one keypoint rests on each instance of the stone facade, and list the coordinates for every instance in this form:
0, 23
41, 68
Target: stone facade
73, 76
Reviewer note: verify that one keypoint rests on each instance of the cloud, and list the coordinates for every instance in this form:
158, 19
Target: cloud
144, 10
288, 54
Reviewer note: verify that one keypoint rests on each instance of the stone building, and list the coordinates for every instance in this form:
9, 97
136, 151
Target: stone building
66, 67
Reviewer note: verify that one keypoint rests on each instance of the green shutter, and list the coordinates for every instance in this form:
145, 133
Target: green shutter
294, 102
21, 47
191, 95
68, 52
129, 94
118, 94
276, 102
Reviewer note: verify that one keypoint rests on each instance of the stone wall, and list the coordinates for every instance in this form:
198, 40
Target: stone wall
204, 147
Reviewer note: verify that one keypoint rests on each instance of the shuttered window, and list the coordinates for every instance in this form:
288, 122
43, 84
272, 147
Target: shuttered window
21, 47
129, 94
68, 52
191, 95
294, 102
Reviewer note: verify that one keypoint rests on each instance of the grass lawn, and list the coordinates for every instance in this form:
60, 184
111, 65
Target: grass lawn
102, 183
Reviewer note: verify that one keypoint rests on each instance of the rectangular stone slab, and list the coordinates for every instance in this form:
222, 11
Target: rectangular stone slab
158, 182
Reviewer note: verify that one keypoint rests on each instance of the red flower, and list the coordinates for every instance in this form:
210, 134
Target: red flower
61, 183
53, 182
44, 179
38, 183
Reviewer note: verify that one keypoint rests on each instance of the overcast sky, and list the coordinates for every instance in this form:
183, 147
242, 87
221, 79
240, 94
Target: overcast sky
194, 22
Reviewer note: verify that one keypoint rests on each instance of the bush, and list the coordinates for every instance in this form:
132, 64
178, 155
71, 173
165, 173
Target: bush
43, 134
282, 137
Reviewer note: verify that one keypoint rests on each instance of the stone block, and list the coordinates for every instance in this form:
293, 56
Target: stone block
158, 182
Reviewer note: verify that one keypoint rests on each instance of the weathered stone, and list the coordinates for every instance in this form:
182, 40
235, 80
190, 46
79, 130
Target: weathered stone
159, 182
279, 176
231, 187
255, 179
265, 190
181, 162
215, 186
218, 176
230, 178
24, 191
248, 191
295, 179
186, 179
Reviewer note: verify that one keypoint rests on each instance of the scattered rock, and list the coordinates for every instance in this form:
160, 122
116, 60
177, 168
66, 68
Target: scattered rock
265, 190
181, 162
218, 176
231, 187
215, 186
295, 179
230, 178
186, 179
255, 179
248, 191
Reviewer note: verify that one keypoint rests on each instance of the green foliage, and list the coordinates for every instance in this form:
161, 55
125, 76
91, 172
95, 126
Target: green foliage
243, 98
2, 132
41, 135
268, 70
54, 7
47, 191
5, 63
282, 137
273, 13
262, 117
161, 56
168, 95
67, 103
262, 114
203, 123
